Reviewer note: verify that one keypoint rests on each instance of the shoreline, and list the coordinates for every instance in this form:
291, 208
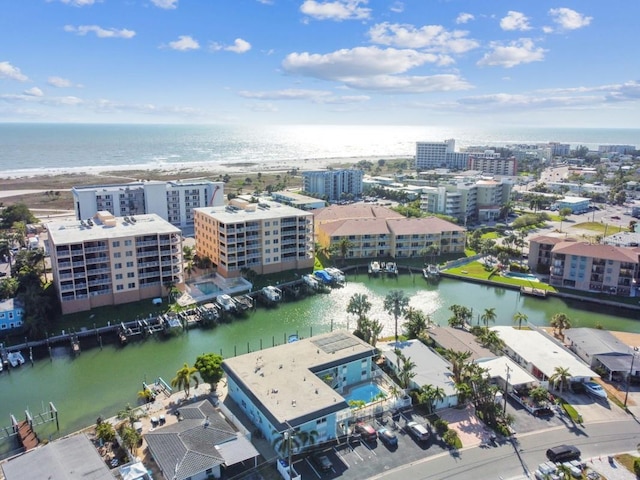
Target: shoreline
180, 168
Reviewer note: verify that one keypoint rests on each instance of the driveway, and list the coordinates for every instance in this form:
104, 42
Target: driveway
471, 431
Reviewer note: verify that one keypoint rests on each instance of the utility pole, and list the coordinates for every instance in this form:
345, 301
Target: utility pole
626, 395
506, 390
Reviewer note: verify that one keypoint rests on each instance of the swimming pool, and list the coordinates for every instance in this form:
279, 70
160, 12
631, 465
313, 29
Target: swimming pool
523, 276
208, 287
364, 393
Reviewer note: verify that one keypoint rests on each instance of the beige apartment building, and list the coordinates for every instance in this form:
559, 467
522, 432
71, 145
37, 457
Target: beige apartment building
588, 267
109, 260
375, 231
266, 237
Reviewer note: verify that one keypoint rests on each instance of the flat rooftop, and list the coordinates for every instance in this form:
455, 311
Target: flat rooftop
283, 380
274, 210
76, 231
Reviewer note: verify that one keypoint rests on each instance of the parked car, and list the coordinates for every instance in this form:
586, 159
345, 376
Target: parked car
387, 437
615, 217
417, 431
595, 389
367, 432
322, 461
563, 453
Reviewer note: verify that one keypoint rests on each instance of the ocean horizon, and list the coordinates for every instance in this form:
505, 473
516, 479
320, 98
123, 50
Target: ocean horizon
33, 148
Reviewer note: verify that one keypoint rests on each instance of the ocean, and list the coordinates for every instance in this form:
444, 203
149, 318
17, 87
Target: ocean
51, 148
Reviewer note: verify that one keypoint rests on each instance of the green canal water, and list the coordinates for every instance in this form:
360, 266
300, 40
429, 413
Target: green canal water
100, 382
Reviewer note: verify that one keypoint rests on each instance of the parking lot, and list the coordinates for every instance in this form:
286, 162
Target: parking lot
357, 459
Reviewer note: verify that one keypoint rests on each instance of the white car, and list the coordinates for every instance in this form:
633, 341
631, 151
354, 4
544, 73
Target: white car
595, 389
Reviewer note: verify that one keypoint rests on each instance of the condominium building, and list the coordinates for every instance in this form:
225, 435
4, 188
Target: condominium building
371, 233
493, 166
479, 200
172, 201
333, 185
111, 260
588, 267
440, 155
266, 237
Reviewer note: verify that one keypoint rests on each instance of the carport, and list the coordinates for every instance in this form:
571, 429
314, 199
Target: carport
616, 364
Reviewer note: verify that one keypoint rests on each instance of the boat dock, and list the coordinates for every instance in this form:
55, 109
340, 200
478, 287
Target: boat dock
535, 292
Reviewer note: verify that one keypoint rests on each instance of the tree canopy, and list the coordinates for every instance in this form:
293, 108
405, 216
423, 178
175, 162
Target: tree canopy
209, 366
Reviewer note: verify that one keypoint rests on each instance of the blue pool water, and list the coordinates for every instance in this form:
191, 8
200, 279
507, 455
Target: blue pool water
208, 288
364, 393
524, 276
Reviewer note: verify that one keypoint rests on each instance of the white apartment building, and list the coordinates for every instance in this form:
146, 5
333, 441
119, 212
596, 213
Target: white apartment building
266, 237
493, 166
107, 260
440, 155
333, 184
172, 201
479, 200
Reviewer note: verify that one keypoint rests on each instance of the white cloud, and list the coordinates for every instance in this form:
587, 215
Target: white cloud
184, 43
99, 31
42, 100
79, 3
409, 84
9, 71
515, 53
358, 62
266, 2
397, 7
568, 19
430, 37
337, 10
239, 46
464, 18
515, 21
59, 82
315, 96
165, 4
34, 92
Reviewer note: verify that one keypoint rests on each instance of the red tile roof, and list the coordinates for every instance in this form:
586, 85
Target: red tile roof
605, 252
361, 226
416, 226
355, 210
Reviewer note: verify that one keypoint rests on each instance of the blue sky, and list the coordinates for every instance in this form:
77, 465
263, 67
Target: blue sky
571, 63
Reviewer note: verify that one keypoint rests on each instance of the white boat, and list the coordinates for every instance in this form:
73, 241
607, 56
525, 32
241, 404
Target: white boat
15, 359
272, 294
226, 303
336, 274
431, 271
374, 268
595, 389
311, 281
391, 268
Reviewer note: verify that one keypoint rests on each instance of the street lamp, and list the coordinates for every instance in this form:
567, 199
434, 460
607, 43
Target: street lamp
626, 395
506, 391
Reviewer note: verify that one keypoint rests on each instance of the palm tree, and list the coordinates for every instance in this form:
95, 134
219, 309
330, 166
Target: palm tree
560, 322
395, 304
431, 396
359, 305
416, 324
458, 362
560, 375
520, 317
169, 284
344, 245
183, 378
405, 373
461, 315
489, 315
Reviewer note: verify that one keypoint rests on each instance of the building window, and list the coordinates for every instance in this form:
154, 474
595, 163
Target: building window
119, 287
129, 253
118, 276
117, 255
118, 266
115, 243
127, 243
129, 264
131, 275
132, 285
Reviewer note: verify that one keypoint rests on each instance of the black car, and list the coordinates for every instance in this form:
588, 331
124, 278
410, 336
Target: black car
387, 437
563, 453
322, 461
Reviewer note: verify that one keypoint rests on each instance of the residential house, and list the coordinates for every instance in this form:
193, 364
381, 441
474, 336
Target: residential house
11, 314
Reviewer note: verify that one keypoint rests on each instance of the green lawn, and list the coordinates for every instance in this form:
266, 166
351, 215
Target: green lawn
477, 270
490, 235
600, 227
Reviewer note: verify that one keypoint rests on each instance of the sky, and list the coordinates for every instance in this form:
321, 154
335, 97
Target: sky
529, 63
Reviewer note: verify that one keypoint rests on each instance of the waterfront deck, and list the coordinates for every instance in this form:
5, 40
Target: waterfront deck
535, 292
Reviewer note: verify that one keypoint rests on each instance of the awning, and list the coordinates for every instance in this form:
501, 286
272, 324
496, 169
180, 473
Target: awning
616, 363
134, 471
237, 450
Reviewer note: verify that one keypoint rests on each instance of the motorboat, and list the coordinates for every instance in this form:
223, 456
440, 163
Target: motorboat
336, 274
391, 268
431, 271
311, 282
374, 268
226, 303
595, 389
272, 294
15, 359
323, 276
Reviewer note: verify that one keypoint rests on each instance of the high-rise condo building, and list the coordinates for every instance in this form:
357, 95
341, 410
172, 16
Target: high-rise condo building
333, 185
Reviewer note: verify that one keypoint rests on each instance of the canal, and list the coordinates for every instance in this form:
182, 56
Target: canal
100, 382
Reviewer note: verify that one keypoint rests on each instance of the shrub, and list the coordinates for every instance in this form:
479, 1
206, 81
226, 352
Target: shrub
451, 438
636, 466
442, 426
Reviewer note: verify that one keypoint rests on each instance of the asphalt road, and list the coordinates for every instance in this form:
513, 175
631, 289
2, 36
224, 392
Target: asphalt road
520, 458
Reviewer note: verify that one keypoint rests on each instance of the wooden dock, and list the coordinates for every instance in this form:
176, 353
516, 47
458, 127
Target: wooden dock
534, 292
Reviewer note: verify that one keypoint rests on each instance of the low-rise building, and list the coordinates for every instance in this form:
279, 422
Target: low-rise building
303, 202
107, 260
576, 204
306, 386
11, 314
493, 165
379, 232
540, 355
266, 237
